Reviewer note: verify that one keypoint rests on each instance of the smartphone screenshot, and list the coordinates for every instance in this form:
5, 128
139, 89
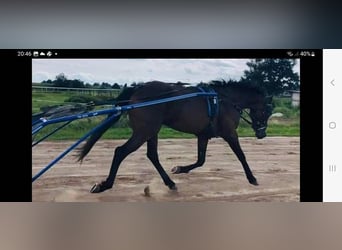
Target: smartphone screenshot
183, 125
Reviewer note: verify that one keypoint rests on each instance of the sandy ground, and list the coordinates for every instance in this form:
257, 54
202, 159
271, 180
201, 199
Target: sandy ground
273, 160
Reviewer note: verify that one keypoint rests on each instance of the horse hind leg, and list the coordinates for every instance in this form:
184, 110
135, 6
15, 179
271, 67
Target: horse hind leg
120, 154
152, 154
202, 143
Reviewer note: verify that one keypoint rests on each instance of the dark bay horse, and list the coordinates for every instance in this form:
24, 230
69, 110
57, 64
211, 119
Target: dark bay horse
189, 116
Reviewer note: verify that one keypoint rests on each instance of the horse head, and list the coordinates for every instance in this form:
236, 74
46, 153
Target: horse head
260, 114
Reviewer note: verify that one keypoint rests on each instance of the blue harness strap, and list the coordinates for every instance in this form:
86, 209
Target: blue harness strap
212, 102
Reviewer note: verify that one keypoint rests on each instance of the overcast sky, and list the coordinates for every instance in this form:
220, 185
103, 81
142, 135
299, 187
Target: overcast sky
123, 71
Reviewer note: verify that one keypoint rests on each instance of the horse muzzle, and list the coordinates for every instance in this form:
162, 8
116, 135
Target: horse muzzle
260, 133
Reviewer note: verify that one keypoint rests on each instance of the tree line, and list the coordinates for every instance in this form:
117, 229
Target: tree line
276, 76
62, 81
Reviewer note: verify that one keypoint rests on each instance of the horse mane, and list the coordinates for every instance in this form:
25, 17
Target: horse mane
238, 85
141, 84
218, 85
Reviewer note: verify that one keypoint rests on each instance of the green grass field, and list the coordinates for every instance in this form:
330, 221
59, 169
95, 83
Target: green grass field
287, 125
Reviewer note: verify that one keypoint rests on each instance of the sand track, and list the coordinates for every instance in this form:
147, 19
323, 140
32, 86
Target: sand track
273, 160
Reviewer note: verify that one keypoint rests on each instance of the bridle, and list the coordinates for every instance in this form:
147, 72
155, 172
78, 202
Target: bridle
242, 111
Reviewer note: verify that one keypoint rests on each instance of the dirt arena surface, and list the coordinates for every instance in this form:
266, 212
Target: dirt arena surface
273, 160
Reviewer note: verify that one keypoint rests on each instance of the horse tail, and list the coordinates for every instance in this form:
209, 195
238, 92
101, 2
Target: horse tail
123, 99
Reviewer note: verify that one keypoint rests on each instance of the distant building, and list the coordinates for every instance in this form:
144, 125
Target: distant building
295, 98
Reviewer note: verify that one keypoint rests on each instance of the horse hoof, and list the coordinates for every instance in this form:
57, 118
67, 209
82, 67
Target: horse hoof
173, 187
254, 182
95, 189
176, 170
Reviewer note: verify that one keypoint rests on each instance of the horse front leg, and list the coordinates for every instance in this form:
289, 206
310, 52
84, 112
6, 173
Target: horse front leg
233, 142
152, 154
202, 143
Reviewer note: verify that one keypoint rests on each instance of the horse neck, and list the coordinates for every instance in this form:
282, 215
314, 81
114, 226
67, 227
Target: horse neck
244, 99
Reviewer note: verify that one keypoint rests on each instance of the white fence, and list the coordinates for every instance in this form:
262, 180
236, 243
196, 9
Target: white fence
93, 92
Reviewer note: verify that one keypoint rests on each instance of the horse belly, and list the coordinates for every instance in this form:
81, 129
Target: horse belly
190, 118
